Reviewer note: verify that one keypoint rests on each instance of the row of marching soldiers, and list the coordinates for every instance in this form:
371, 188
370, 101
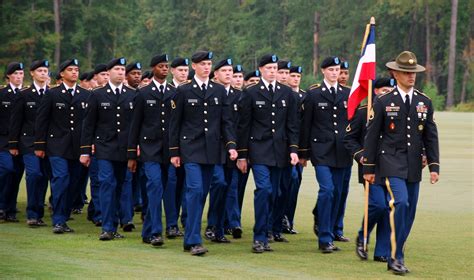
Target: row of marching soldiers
179, 141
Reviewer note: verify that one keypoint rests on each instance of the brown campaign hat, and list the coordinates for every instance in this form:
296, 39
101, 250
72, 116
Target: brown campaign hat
405, 62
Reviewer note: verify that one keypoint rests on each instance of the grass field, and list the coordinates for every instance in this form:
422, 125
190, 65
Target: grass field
440, 245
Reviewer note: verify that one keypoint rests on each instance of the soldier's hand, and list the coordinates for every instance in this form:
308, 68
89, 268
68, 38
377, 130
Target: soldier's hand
303, 162
370, 178
176, 161
424, 161
85, 160
233, 154
434, 177
132, 165
14, 152
294, 158
93, 149
242, 165
40, 154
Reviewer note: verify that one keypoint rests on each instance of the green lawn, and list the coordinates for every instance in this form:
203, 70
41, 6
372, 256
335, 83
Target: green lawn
440, 245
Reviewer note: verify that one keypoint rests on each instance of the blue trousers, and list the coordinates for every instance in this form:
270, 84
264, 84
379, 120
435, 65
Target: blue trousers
152, 226
63, 186
279, 201
6, 168
198, 181
126, 202
113, 177
94, 204
330, 180
136, 187
36, 185
232, 209
173, 180
403, 200
81, 196
339, 227
378, 215
296, 177
13, 185
267, 181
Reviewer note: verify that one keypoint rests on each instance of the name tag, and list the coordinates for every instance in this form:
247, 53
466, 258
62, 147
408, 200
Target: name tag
192, 100
105, 104
30, 103
392, 114
151, 102
6, 103
60, 105
321, 104
392, 109
259, 102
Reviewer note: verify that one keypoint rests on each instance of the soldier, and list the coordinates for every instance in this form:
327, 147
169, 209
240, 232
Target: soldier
238, 77
252, 78
400, 125
325, 120
85, 80
343, 78
224, 181
198, 117
22, 137
57, 133
179, 70
268, 136
146, 78
378, 209
106, 125
11, 167
283, 71
134, 74
101, 76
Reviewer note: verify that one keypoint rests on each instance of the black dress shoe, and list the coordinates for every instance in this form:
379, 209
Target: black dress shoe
76, 211
106, 236
380, 259
258, 247
146, 240
221, 239
270, 237
328, 248
341, 238
117, 235
237, 232
172, 232
403, 263
58, 229
396, 267
41, 223
361, 253
209, 234
32, 223
12, 219
280, 238
157, 241
67, 229
228, 231
128, 227
198, 250
267, 248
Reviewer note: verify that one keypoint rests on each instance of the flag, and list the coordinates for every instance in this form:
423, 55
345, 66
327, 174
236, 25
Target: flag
365, 72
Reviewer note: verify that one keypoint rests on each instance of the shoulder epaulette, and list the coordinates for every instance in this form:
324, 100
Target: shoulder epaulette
346, 87
171, 85
421, 93
385, 94
302, 91
142, 86
2, 86
81, 87
129, 87
187, 82
313, 86
251, 85
97, 87
54, 86
25, 88
362, 107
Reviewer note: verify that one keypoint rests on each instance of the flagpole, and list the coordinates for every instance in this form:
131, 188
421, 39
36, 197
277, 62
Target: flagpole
369, 108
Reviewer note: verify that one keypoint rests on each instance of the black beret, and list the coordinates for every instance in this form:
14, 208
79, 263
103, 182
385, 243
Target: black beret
116, 61
384, 82
179, 61
330, 61
133, 66
296, 69
58, 76
268, 58
283, 64
222, 63
90, 76
238, 69
201, 56
99, 68
14, 66
344, 65
67, 63
39, 63
191, 74
147, 75
83, 76
252, 74
158, 59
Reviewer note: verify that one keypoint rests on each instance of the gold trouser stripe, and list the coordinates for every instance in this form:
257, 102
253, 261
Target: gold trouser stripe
391, 203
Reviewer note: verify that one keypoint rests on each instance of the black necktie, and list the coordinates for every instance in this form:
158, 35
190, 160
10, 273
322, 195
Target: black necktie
71, 91
41, 91
203, 88
117, 91
407, 102
17, 90
333, 91
270, 88
162, 89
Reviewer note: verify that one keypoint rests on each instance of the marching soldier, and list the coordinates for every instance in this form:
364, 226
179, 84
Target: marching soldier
238, 77
325, 121
400, 125
199, 120
179, 70
146, 78
133, 72
268, 136
11, 167
106, 125
22, 137
378, 209
57, 133
101, 76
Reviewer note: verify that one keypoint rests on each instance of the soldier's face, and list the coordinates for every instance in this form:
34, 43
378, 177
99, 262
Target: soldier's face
202, 69
224, 75
269, 71
253, 80
405, 79
343, 77
331, 73
40, 74
102, 78
133, 77
16, 78
282, 76
70, 74
237, 80
160, 71
145, 82
294, 80
117, 74
93, 83
180, 73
